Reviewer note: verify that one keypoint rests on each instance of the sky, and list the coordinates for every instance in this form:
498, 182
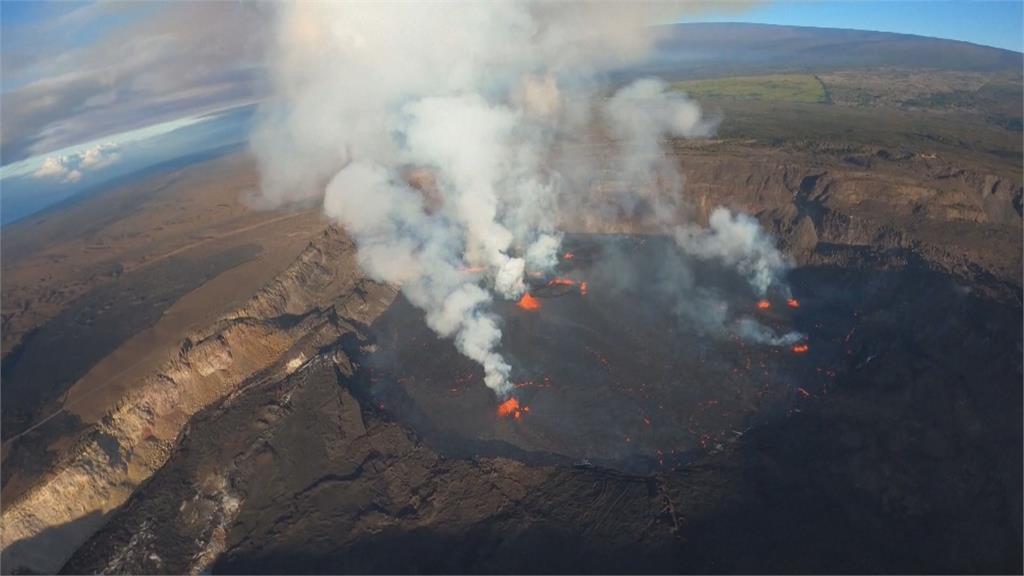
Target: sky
30, 185
986, 22
84, 72
72, 72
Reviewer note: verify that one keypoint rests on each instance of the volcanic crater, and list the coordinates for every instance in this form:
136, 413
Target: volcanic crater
901, 408
626, 358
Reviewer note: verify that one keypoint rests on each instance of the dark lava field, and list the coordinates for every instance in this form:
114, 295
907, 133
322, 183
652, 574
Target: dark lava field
623, 362
629, 372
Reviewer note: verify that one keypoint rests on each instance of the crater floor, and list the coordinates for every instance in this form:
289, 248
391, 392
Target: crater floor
641, 368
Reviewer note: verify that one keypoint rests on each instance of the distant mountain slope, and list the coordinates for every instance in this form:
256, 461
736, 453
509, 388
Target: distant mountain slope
721, 49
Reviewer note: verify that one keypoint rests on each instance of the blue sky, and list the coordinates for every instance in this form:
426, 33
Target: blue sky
991, 23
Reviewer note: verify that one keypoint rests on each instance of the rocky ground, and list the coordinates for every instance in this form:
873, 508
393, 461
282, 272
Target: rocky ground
252, 449
957, 219
288, 321
904, 466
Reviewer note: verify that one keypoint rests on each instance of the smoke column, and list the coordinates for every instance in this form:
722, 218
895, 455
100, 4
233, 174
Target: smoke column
436, 135
736, 240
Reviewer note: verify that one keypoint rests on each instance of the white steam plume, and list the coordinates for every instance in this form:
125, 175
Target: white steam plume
750, 329
400, 242
736, 240
640, 117
440, 136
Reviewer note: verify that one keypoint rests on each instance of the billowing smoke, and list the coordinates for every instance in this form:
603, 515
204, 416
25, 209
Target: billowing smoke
400, 242
750, 329
736, 240
446, 141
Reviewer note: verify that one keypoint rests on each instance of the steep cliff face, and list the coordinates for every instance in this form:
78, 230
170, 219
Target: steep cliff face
325, 274
312, 304
839, 206
957, 220
360, 483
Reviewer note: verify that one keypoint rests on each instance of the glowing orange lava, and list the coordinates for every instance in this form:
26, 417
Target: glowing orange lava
511, 408
508, 407
793, 303
763, 304
801, 348
528, 302
561, 282
568, 256
583, 288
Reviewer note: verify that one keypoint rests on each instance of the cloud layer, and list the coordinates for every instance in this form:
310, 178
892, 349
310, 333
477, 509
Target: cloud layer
98, 69
70, 168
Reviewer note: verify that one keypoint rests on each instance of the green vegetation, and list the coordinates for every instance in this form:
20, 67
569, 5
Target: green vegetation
773, 87
828, 129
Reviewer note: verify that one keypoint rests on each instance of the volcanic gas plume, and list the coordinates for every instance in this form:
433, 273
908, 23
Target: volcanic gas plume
449, 142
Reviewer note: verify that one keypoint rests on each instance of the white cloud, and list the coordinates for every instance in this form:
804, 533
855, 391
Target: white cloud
53, 167
70, 168
30, 166
150, 62
99, 157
